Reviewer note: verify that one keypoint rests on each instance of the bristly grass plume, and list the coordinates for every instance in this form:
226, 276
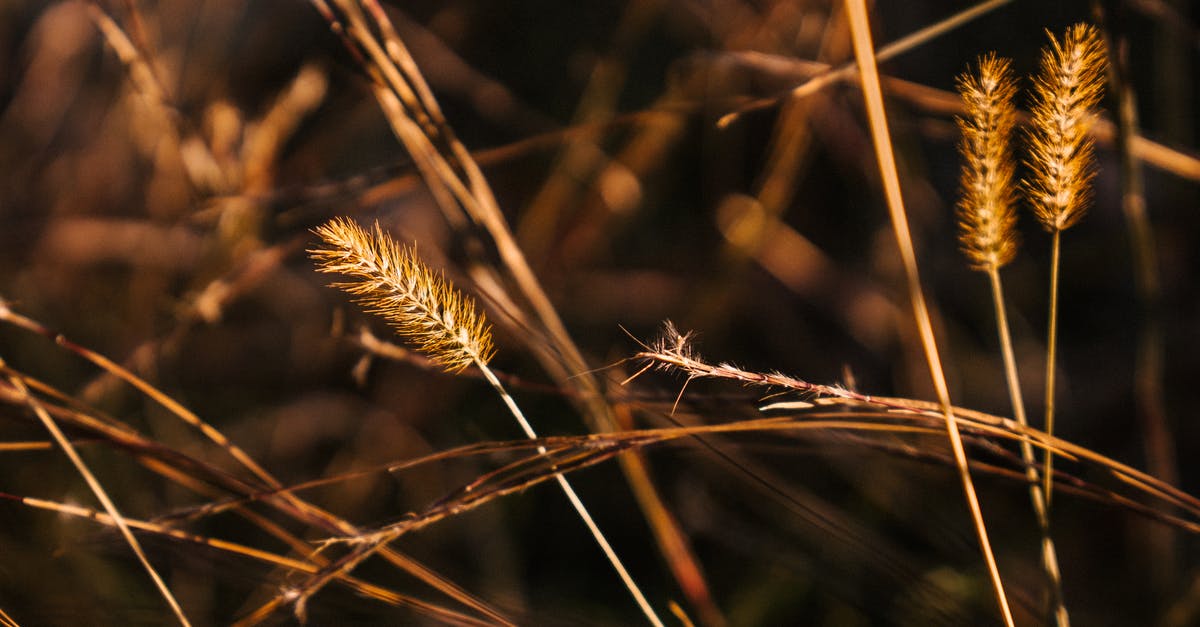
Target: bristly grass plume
986, 214
426, 309
987, 233
1066, 92
391, 281
1061, 161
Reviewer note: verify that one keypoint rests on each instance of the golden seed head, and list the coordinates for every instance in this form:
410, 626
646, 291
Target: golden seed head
986, 217
1067, 90
389, 279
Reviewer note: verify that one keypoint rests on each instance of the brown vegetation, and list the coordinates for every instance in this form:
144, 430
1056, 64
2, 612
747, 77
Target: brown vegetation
196, 430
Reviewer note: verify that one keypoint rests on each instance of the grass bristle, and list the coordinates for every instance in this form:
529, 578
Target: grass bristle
389, 280
987, 217
1061, 160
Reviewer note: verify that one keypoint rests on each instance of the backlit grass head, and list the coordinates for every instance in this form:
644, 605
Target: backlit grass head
389, 279
1066, 92
986, 214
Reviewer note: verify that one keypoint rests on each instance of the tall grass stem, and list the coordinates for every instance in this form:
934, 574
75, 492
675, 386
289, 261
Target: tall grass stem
428, 311
580, 509
860, 29
1036, 494
1051, 359
98, 490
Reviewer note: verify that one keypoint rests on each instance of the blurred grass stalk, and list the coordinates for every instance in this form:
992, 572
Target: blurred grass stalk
94, 485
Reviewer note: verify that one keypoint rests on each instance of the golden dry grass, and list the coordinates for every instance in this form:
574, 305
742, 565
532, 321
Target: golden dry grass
389, 280
577, 170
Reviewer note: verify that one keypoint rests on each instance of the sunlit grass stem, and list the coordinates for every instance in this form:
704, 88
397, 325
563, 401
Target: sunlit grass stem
860, 29
1051, 358
97, 489
1061, 163
1036, 496
580, 509
428, 311
988, 238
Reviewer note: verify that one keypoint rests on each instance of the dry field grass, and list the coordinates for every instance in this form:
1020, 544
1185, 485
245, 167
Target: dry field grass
845, 422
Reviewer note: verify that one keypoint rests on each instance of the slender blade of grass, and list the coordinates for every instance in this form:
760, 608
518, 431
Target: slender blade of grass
99, 491
873, 95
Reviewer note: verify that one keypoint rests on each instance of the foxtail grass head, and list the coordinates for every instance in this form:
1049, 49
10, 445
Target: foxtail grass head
389, 279
1066, 92
986, 215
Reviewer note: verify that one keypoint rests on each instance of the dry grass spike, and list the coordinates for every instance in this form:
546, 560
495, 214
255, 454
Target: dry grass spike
986, 215
1066, 92
390, 280
1061, 162
987, 233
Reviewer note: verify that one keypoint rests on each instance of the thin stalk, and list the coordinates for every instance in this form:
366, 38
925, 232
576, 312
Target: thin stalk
298, 507
1036, 495
101, 495
463, 194
860, 29
1051, 358
574, 498
1062, 164
428, 311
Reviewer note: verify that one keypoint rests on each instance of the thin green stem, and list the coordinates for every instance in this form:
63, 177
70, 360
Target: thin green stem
1051, 357
1036, 495
574, 498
